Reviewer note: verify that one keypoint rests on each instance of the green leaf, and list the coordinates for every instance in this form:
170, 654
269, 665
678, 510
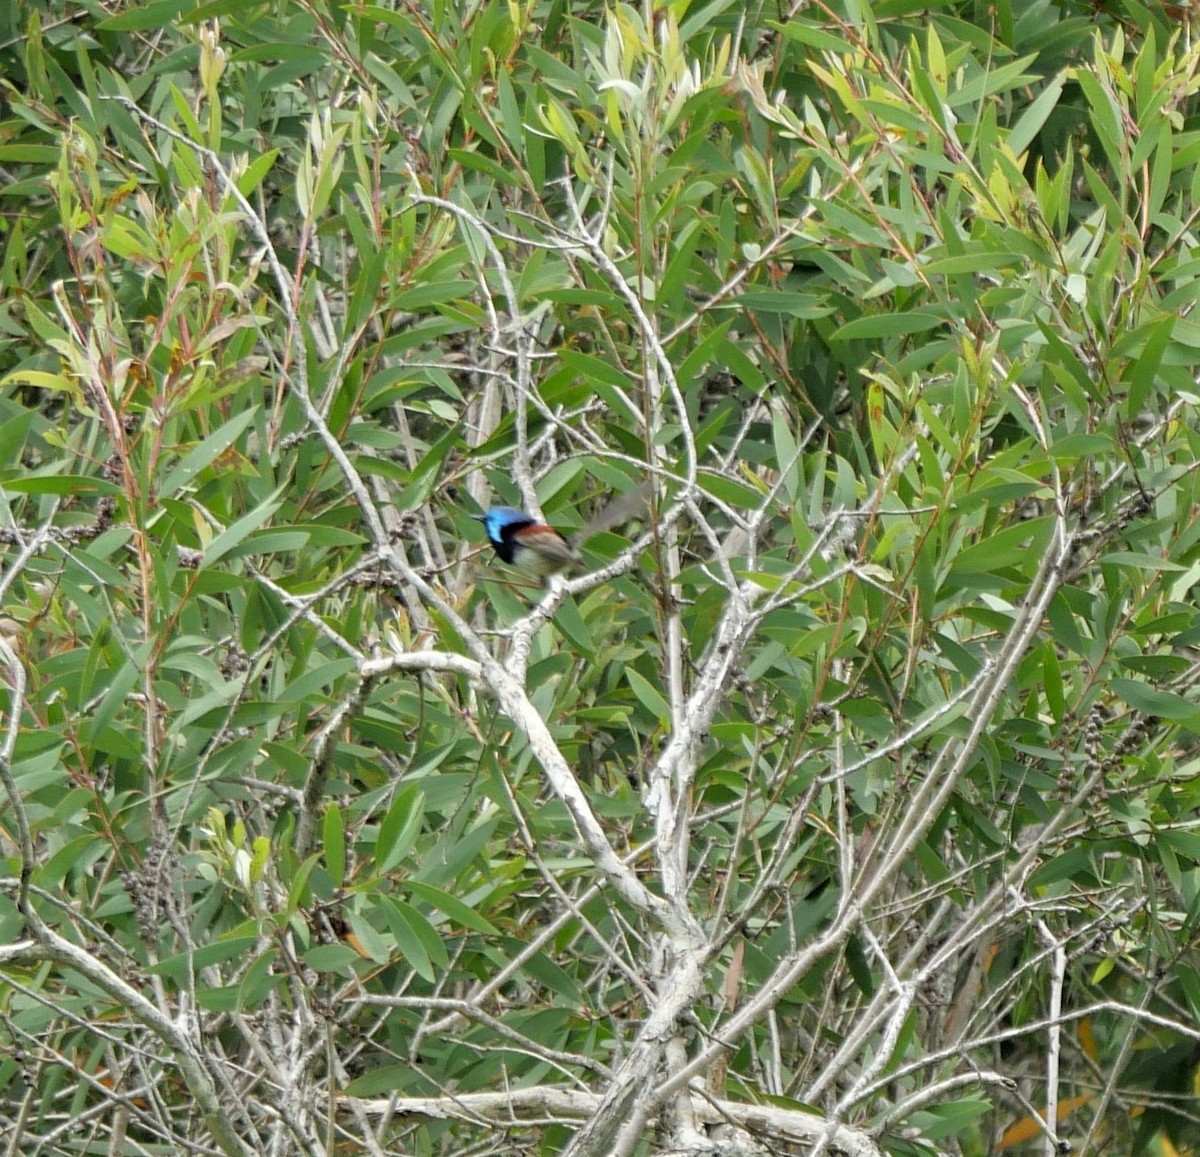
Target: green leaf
811, 36
335, 845
860, 969
313, 682
1013, 546
571, 623
1186, 844
160, 14
1152, 701
399, 828
234, 534
381, 1081
453, 852
649, 697
422, 296
736, 494
1032, 120
402, 920
1145, 369
72, 484
258, 167
458, 911
332, 958
1105, 117
179, 968
298, 893
887, 325
257, 982
949, 1119
802, 305
114, 698
1052, 683
375, 945
206, 453
1074, 864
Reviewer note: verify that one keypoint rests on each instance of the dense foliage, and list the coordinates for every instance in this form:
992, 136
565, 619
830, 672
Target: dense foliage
846, 805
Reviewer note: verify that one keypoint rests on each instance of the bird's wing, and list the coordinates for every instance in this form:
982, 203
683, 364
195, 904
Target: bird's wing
546, 541
631, 504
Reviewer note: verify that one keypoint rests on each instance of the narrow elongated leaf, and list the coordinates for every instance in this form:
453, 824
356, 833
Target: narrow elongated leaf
239, 530
206, 453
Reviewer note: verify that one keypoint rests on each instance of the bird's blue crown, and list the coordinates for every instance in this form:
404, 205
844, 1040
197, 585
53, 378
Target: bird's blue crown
504, 518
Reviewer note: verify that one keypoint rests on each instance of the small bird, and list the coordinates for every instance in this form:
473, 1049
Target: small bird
540, 550
531, 546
